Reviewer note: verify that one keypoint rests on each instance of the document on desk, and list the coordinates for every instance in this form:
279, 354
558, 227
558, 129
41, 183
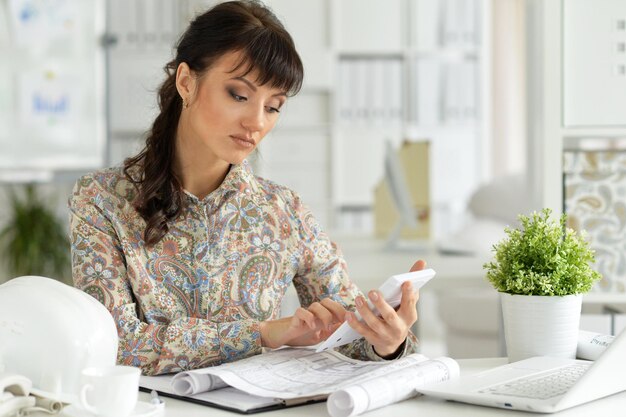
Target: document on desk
291, 376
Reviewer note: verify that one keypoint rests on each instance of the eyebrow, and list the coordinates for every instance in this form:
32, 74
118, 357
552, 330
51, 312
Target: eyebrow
253, 87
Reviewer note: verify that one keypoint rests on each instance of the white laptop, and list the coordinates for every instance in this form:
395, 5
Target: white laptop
541, 384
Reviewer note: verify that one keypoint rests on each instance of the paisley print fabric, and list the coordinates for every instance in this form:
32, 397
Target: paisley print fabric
595, 201
197, 297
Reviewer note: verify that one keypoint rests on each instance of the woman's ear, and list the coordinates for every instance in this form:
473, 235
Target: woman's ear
185, 81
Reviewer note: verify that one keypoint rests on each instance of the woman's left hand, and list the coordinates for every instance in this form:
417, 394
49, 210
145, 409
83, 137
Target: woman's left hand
388, 331
308, 326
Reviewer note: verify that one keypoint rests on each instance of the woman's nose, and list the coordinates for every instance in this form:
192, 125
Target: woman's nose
254, 120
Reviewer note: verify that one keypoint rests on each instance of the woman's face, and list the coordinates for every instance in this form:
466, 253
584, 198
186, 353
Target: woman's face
228, 114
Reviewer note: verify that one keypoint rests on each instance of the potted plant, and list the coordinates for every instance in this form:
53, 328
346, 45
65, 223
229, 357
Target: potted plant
541, 270
33, 240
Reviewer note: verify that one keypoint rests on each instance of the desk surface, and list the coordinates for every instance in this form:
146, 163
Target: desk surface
423, 406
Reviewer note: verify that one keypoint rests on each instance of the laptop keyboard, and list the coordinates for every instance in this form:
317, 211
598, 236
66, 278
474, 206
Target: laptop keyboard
546, 385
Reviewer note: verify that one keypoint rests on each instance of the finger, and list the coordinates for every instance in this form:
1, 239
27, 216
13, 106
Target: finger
408, 305
306, 317
418, 266
360, 327
326, 332
321, 313
387, 313
368, 316
337, 309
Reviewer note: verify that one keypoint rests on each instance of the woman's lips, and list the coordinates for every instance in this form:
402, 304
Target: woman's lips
243, 141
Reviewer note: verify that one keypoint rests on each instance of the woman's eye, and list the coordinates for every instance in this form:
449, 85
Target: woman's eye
237, 97
273, 110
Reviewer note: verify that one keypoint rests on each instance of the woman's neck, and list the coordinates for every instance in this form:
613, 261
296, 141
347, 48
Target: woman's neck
202, 180
199, 172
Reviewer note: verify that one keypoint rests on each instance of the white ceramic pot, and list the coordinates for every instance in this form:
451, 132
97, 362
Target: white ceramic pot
540, 325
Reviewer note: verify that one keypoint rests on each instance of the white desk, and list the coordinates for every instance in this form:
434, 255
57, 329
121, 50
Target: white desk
419, 406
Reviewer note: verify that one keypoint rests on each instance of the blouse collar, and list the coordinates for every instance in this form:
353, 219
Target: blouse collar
240, 179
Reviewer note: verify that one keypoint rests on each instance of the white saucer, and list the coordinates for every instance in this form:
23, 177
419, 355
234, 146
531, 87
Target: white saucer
142, 409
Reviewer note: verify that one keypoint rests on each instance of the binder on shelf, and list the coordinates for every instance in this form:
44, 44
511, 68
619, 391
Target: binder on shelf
378, 92
345, 87
459, 24
371, 92
469, 90
427, 95
390, 93
131, 34
168, 19
123, 24
397, 99
149, 15
458, 11
471, 35
369, 84
459, 97
359, 91
449, 26
426, 14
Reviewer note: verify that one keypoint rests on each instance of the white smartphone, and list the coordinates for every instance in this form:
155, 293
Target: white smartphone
391, 290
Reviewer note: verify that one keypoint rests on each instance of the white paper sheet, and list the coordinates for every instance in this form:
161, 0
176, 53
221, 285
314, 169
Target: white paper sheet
226, 397
295, 373
591, 345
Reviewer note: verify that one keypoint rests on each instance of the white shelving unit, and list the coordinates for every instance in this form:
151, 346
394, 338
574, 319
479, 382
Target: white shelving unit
297, 152
562, 113
375, 70
399, 69
578, 122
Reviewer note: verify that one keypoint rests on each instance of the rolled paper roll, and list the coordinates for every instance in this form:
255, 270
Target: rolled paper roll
48, 405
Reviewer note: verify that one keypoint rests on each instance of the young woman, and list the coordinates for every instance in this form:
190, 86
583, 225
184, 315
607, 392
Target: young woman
191, 252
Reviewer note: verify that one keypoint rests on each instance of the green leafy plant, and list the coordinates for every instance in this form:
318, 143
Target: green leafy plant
542, 257
33, 240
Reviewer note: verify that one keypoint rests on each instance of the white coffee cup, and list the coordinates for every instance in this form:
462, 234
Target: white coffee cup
109, 391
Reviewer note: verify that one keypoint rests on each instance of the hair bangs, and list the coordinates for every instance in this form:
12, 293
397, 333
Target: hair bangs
272, 57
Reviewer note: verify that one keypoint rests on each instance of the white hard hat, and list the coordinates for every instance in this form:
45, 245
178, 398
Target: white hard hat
50, 332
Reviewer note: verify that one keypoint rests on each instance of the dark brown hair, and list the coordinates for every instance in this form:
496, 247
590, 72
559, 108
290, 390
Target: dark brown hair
245, 26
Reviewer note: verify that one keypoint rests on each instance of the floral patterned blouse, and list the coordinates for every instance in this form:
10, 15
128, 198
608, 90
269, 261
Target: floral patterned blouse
197, 297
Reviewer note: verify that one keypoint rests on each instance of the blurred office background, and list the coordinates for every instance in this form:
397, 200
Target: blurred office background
493, 107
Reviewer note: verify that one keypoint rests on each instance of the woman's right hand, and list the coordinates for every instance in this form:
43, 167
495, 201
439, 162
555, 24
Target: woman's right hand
308, 326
